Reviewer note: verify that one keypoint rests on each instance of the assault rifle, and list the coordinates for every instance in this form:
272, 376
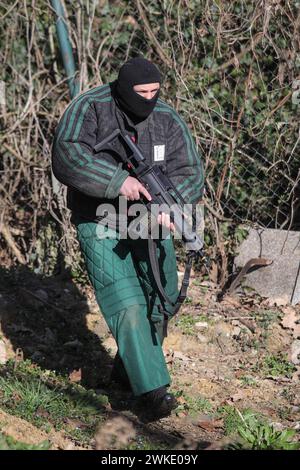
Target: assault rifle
163, 193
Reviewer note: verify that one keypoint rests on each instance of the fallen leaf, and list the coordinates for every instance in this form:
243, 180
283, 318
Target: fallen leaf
239, 373
202, 31
131, 20
230, 300
16, 396
42, 413
290, 320
240, 395
75, 376
181, 414
210, 424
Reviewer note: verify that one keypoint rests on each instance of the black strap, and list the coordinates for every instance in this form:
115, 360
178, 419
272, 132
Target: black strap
185, 283
152, 247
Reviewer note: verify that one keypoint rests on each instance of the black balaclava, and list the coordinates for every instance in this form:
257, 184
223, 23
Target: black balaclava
137, 71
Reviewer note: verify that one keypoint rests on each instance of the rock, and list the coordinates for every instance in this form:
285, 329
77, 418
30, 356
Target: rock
280, 281
201, 325
279, 301
295, 409
236, 331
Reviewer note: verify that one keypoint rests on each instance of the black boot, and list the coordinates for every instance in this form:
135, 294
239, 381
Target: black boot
159, 402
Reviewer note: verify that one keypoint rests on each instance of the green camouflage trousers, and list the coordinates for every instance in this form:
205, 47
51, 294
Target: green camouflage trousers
121, 275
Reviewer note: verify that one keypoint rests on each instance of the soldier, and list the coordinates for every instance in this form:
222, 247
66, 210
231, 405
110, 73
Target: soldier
119, 268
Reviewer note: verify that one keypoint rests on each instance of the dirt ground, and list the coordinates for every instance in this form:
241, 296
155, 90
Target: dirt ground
221, 352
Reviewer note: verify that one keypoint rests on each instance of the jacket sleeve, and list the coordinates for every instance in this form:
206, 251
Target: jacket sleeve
74, 161
185, 167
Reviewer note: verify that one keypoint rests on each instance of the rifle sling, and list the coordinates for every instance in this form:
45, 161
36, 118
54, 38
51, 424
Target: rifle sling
154, 262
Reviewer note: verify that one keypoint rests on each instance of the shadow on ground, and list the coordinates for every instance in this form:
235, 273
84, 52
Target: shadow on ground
45, 318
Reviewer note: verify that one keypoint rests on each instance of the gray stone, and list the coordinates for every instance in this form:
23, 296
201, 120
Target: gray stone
281, 280
201, 325
236, 331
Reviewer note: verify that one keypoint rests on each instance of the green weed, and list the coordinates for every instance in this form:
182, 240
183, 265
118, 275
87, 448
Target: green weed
231, 419
8, 443
253, 432
277, 365
247, 380
266, 317
142, 443
193, 405
186, 323
261, 436
44, 398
